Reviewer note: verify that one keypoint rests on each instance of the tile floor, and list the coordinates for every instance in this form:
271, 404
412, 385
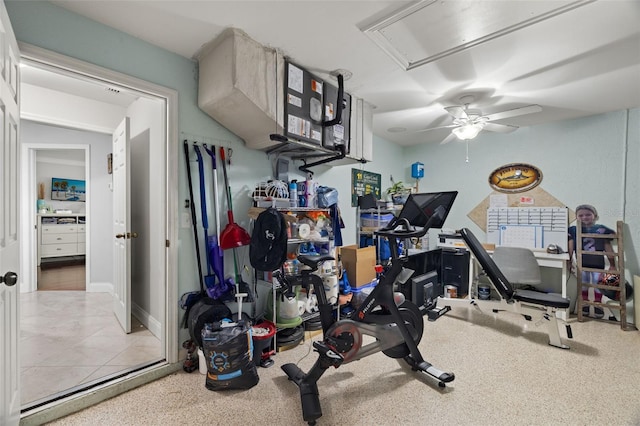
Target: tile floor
69, 338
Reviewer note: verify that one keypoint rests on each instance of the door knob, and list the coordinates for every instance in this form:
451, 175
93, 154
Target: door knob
128, 235
10, 279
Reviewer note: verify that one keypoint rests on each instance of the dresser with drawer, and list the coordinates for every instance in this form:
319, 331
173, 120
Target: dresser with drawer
61, 235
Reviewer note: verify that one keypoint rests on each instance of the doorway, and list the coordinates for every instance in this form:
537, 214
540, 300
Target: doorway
61, 249
155, 310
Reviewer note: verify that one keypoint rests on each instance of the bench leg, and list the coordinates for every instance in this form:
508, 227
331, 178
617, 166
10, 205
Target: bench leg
553, 329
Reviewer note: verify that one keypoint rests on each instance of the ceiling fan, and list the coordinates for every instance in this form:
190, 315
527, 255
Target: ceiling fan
467, 123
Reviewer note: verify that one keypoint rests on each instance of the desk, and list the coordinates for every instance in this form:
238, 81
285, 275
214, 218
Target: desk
545, 260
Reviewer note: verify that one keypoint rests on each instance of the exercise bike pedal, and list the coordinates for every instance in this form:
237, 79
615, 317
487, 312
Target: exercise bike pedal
425, 367
435, 313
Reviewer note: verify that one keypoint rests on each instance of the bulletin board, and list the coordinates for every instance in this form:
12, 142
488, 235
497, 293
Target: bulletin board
540, 197
363, 183
303, 106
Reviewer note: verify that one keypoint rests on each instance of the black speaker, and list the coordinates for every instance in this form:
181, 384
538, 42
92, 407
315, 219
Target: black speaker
455, 270
425, 290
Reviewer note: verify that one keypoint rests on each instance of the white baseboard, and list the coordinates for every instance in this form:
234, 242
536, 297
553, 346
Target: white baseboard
152, 324
100, 288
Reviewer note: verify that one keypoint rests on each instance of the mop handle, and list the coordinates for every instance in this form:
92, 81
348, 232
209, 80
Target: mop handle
212, 154
226, 178
193, 216
203, 204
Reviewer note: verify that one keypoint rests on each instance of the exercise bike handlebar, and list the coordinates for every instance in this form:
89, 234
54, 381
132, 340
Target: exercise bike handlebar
401, 228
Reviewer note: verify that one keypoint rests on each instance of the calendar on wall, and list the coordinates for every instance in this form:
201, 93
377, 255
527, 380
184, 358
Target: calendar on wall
531, 227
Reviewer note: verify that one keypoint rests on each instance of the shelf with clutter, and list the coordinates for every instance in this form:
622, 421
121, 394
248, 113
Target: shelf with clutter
310, 233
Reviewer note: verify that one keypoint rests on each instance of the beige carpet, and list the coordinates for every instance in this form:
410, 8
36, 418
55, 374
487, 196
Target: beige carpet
505, 375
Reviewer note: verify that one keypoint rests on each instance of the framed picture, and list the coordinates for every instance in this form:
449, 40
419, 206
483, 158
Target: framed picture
109, 163
68, 190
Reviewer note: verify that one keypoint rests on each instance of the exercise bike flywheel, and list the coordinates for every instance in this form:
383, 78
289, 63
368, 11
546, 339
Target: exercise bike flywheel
346, 338
415, 323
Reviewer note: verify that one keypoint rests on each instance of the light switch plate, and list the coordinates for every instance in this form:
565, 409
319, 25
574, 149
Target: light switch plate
185, 220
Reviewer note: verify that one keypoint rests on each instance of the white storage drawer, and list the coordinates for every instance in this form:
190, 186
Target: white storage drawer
59, 249
59, 238
59, 229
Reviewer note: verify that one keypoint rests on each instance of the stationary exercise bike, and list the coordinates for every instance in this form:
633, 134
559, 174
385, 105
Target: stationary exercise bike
396, 324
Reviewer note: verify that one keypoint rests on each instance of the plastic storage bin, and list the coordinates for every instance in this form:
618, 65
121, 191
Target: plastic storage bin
375, 220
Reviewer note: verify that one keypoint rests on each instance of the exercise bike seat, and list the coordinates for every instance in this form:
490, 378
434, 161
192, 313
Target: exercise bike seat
538, 298
314, 261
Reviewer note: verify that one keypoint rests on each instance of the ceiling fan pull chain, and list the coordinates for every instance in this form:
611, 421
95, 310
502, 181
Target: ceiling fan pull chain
466, 160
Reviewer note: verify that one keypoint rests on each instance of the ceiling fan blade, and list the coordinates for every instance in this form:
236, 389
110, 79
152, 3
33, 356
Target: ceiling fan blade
514, 112
457, 112
437, 128
448, 139
500, 128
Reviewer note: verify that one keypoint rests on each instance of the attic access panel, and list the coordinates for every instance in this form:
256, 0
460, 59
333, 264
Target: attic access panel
429, 30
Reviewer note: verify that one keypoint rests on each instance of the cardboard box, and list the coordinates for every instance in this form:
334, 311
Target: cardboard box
359, 263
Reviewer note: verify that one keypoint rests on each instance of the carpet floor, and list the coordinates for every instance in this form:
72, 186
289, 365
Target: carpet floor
506, 374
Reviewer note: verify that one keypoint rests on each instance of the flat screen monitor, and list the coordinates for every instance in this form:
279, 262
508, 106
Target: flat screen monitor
428, 210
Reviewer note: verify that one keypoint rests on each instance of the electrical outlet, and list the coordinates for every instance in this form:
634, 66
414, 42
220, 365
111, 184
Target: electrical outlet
185, 220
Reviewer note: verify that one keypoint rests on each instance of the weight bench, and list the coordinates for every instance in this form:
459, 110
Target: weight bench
530, 304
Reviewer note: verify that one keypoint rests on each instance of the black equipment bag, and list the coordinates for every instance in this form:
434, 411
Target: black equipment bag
205, 310
268, 246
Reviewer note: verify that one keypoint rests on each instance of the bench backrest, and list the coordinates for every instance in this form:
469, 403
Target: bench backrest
494, 273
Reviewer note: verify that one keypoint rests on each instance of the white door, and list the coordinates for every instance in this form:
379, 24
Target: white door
9, 242
121, 223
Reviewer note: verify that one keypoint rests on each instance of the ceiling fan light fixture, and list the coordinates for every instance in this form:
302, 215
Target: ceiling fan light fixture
468, 131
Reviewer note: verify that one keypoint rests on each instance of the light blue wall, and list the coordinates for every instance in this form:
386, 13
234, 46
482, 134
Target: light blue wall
631, 200
588, 160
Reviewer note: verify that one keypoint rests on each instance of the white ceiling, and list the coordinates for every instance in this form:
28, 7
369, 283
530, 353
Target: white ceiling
43, 77
573, 58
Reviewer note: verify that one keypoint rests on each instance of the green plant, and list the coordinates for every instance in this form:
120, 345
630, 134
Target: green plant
398, 188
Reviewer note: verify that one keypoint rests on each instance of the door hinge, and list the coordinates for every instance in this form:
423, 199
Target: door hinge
167, 243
